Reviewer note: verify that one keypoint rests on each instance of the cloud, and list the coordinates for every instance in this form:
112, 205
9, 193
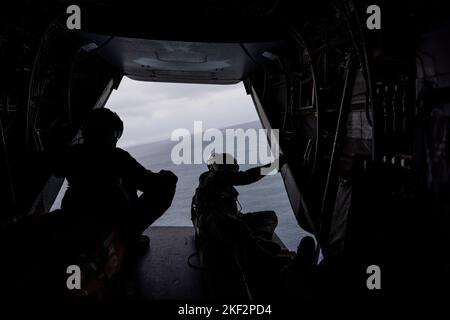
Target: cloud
152, 110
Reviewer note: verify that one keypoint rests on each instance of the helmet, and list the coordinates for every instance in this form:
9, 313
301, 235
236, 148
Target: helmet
102, 124
222, 162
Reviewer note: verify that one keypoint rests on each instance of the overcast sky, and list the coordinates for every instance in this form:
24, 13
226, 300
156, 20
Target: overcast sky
151, 110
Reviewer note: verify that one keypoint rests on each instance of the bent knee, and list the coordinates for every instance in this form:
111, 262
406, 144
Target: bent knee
273, 217
269, 216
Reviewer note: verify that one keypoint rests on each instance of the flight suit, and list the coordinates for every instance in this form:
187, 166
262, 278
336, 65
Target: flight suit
103, 185
220, 219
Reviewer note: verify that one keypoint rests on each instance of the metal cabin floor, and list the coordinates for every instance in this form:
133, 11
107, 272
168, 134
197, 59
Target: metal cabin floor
162, 273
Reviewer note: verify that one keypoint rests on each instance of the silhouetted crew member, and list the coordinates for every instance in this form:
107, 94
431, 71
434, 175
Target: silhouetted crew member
218, 215
104, 179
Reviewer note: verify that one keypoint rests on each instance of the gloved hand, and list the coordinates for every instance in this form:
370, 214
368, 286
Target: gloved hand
281, 161
169, 175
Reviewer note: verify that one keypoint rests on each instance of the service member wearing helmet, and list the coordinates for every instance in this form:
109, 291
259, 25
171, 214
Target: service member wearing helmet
217, 212
104, 179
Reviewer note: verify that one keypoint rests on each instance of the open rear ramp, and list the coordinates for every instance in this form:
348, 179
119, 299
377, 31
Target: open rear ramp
163, 273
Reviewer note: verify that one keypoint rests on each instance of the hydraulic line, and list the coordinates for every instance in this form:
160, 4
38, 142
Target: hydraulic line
53, 25
301, 43
348, 85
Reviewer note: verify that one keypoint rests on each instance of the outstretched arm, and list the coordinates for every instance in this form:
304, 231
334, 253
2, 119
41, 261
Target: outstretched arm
240, 178
144, 179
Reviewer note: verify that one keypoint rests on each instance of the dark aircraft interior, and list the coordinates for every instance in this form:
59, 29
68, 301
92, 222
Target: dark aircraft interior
363, 117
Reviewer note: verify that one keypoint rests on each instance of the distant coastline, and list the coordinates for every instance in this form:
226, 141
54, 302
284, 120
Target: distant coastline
245, 125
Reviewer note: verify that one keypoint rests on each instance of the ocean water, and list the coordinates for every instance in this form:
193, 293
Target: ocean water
267, 194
